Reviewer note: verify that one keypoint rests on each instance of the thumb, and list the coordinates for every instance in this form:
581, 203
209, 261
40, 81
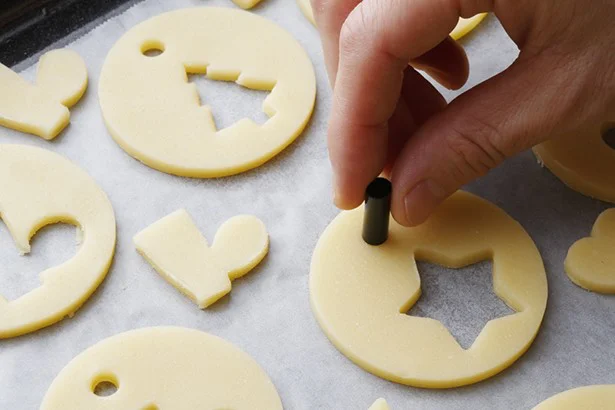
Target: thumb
532, 100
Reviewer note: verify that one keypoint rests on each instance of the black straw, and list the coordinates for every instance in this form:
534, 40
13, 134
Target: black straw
377, 210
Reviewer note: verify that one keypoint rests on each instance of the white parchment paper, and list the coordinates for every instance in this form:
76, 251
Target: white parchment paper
268, 313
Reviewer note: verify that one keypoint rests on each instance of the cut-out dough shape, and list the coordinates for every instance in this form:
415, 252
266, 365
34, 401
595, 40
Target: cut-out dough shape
380, 404
591, 261
155, 115
38, 188
42, 109
306, 9
583, 161
175, 247
599, 397
360, 293
163, 368
246, 4
463, 27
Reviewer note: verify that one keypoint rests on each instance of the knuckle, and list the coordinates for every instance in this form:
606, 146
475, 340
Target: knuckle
475, 149
354, 31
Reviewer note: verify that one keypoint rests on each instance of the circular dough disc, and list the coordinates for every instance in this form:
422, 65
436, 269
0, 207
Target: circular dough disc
583, 161
163, 368
582, 398
360, 293
155, 114
38, 188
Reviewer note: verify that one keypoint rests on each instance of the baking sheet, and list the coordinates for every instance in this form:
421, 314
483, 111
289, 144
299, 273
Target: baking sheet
268, 313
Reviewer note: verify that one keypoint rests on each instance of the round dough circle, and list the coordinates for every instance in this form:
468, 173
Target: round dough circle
38, 188
163, 368
583, 161
465, 26
588, 398
360, 293
155, 115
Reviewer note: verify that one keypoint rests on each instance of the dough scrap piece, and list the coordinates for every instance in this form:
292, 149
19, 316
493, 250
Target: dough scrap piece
38, 188
463, 27
246, 4
163, 368
360, 293
599, 397
155, 115
306, 9
380, 404
42, 109
175, 247
590, 262
583, 161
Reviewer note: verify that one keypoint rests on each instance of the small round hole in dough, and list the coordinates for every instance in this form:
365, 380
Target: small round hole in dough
152, 48
105, 386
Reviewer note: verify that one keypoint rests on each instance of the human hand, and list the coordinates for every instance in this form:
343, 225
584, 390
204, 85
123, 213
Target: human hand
387, 117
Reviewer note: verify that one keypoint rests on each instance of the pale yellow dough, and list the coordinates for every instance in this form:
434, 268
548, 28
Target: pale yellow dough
360, 293
591, 261
583, 161
163, 368
175, 247
600, 397
38, 188
306, 9
246, 4
463, 27
42, 109
155, 115
380, 404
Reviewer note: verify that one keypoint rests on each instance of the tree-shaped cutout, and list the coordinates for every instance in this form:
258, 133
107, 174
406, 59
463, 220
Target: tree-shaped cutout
461, 299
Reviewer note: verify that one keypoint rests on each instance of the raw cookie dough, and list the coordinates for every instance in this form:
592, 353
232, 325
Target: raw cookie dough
463, 27
466, 25
591, 261
163, 368
380, 404
175, 247
246, 4
155, 115
360, 293
38, 188
601, 397
583, 161
306, 9
41, 109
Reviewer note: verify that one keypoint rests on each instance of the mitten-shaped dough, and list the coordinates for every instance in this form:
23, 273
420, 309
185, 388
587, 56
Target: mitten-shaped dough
38, 188
591, 261
175, 247
42, 109
163, 368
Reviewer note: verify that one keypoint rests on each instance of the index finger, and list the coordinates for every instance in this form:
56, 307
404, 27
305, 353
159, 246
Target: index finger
377, 41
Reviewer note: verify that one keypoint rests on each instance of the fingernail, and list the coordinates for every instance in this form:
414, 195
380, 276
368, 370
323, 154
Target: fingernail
421, 201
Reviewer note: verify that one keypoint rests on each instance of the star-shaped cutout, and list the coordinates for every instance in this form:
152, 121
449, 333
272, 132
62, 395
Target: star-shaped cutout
461, 299
229, 101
